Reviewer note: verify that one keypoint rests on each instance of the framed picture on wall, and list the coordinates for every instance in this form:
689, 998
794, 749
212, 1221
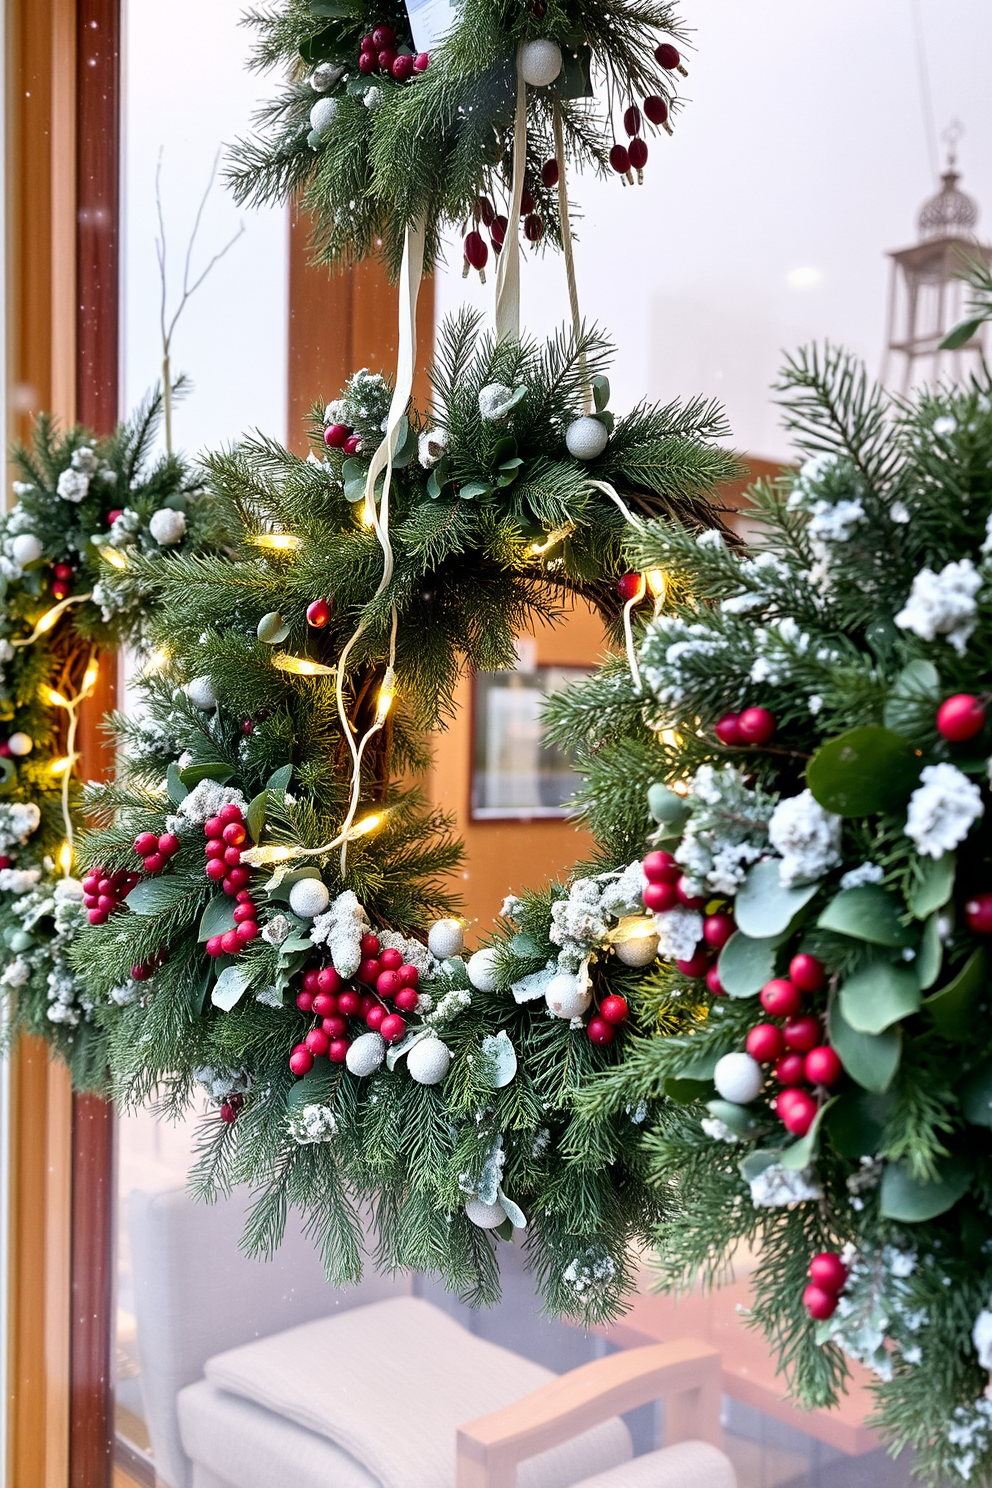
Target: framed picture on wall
516, 771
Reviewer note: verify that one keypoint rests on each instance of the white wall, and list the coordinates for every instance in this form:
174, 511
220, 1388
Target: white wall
186, 89
802, 147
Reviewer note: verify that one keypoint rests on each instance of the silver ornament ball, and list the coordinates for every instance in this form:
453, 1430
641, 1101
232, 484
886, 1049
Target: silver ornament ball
566, 997
201, 694
366, 1054
429, 1061
482, 969
20, 744
25, 548
738, 1078
540, 62
445, 938
486, 1216
586, 438
308, 898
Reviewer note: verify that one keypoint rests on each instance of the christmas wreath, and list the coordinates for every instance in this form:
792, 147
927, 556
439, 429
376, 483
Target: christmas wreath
83, 507
398, 116
818, 892
279, 950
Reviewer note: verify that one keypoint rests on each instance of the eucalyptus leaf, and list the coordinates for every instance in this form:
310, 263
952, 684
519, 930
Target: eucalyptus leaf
686, 1092
700, 1066
154, 896
513, 1213
866, 913
217, 917
763, 908
962, 334
864, 771
856, 1122
800, 1154
745, 965
930, 956
255, 815
911, 1201
953, 1008
737, 1119
501, 1058
755, 1163
315, 1086
527, 946
976, 1095
933, 885
272, 628
881, 994
601, 392
173, 784
279, 779
406, 445
469, 490
871, 1059
913, 698
667, 808
208, 770
231, 986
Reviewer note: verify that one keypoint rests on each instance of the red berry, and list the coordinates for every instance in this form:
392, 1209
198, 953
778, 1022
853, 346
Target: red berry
717, 930
247, 931
60, 589
368, 43
819, 1304
169, 844
402, 69
244, 896
421, 62
476, 251
145, 844
368, 62
105, 886
533, 227
550, 173
799, 1113
802, 1033
526, 202
335, 1026
140, 973
823, 1066
216, 869
407, 999
661, 867
337, 1050
213, 827
409, 975
632, 119
113, 514
328, 980
728, 730
601, 1032
392, 1028
486, 211
369, 971
386, 58
91, 883
667, 56
780, 998
229, 813
214, 848
310, 978
383, 36
244, 912
390, 959
229, 1111
713, 981
497, 232
757, 725
687, 897
232, 856
620, 160
336, 434
656, 109
370, 945
215, 945
63, 570
317, 1041
765, 1043
5, 751
106, 902
631, 585
304, 1000
237, 878
230, 943
318, 614
388, 984
828, 1272
349, 1004
961, 717
790, 1070
368, 1001
96, 916
697, 964
660, 896
978, 913
155, 862
614, 1009
638, 152
234, 834
808, 972
324, 1004
375, 1016
301, 1060
90, 901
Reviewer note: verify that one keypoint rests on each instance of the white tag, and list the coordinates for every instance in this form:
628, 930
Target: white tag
430, 22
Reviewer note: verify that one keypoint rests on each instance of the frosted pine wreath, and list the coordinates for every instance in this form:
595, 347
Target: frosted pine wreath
819, 884
302, 956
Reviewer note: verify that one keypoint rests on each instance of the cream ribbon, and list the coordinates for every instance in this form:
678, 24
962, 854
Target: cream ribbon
508, 269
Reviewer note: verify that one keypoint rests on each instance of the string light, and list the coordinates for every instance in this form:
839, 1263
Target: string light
260, 857
52, 698
156, 661
301, 666
114, 557
59, 766
278, 542
49, 618
90, 675
365, 826
387, 692
537, 550
64, 859
657, 582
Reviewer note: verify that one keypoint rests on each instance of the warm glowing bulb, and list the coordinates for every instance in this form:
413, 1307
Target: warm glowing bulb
657, 581
300, 666
258, 857
113, 556
48, 619
53, 699
157, 660
90, 675
277, 542
65, 857
366, 514
59, 766
387, 693
365, 826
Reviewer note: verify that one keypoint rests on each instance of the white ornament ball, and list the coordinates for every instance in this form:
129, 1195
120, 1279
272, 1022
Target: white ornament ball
167, 526
201, 693
738, 1078
445, 938
309, 897
637, 950
428, 1061
486, 1216
482, 969
540, 62
586, 438
322, 114
566, 996
366, 1054
25, 548
20, 743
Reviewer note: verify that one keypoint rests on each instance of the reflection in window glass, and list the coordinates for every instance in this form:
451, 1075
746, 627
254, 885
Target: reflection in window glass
517, 771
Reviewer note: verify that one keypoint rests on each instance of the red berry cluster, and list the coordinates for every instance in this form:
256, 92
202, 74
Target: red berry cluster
379, 54
342, 437
667, 886
226, 836
476, 253
62, 577
154, 851
961, 717
103, 892
796, 1049
753, 726
144, 969
608, 1017
332, 1002
625, 159
244, 932
827, 1279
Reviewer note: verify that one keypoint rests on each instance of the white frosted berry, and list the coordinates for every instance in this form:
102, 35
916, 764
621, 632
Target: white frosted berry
201, 693
738, 1078
25, 548
482, 969
486, 1216
428, 1062
540, 62
20, 743
586, 438
366, 1054
445, 938
322, 114
308, 898
566, 996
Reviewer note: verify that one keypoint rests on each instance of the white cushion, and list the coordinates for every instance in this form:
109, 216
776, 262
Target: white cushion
691, 1464
391, 1383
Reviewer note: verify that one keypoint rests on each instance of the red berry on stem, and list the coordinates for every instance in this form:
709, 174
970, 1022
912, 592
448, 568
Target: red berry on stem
301, 1060
600, 1032
656, 109
317, 1041
978, 913
229, 1112
304, 1000
388, 984
533, 227
667, 56
828, 1271
318, 614
324, 1004
476, 252
660, 896
145, 843
107, 903
230, 943
232, 856
349, 1004
336, 434
234, 834
368, 42
229, 813
823, 1066
386, 58
961, 717
383, 36
243, 912
497, 231
63, 570
486, 211
409, 975
248, 726
799, 1113
808, 972
370, 945
717, 930
631, 586
368, 63
216, 869
697, 964
392, 1028
169, 844
155, 862
335, 1026
818, 1303
614, 1009
526, 202
390, 959
765, 1043
375, 1016
237, 878
60, 589
407, 999
632, 119
214, 848
247, 931
638, 152
337, 1050
402, 68
790, 1069
352, 444
803, 1033
96, 916
780, 998
369, 971
140, 973
757, 725
421, 61
714, 983
213, 827
728, 730
661, 867
550, 173
687, 897
310, 982
113, 514
620, 160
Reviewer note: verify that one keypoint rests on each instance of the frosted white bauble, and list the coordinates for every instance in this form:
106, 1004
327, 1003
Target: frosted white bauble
482, 969
738, 1078
322, 114
324, 77
566, 996
366, 1054
20, 743
428, 1061
309, 897
540, 62
486, 1216
25, 548
586, 438
201, 693
167, 526
637, 950
445, 938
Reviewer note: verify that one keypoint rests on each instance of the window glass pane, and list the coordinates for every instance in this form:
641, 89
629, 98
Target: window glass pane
517, 771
